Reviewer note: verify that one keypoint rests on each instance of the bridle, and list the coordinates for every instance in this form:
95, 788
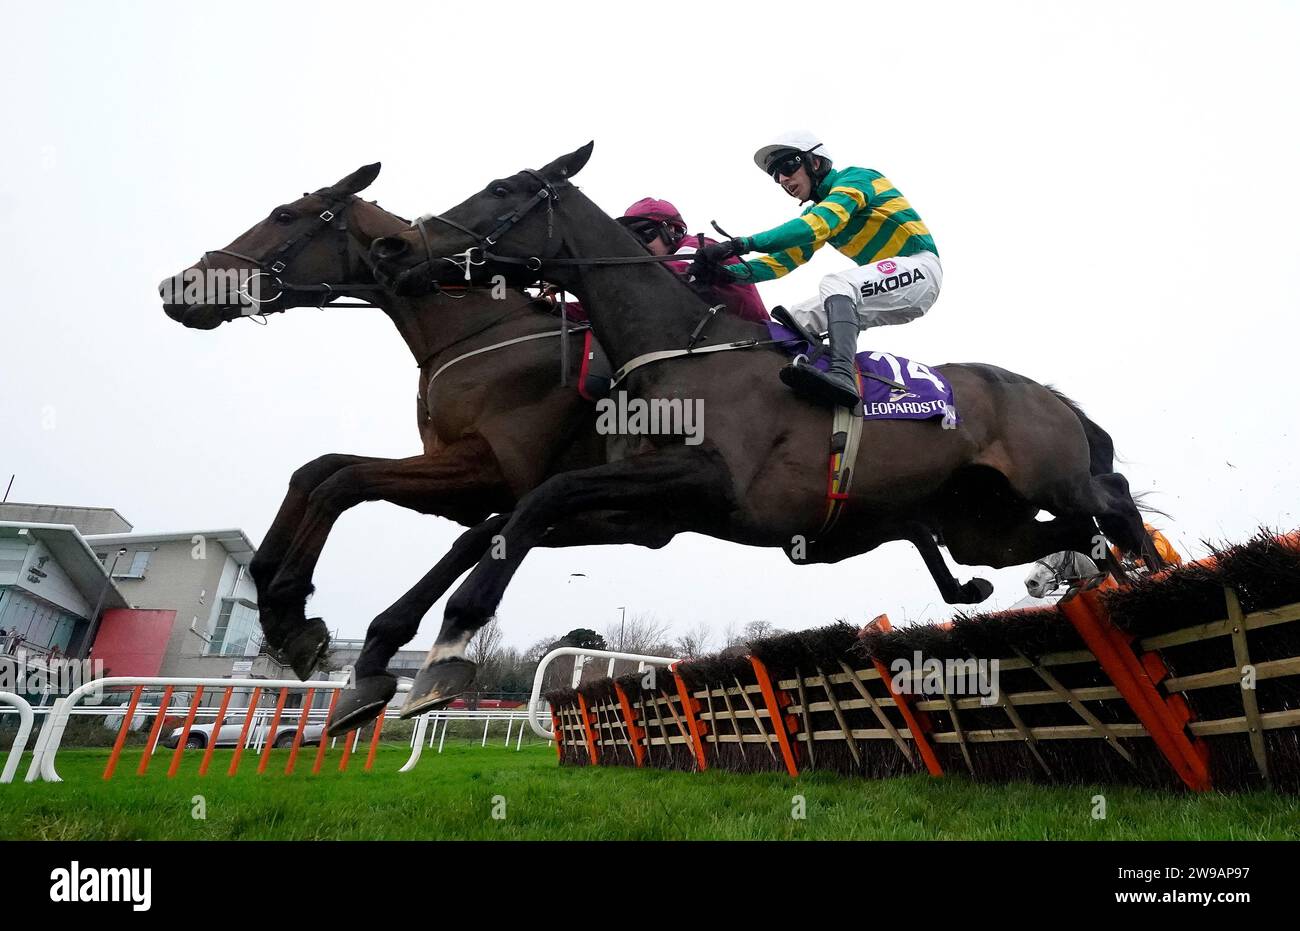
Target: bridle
275, 262
546, 194
481, 252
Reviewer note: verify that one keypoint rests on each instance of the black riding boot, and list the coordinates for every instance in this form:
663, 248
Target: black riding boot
838, 386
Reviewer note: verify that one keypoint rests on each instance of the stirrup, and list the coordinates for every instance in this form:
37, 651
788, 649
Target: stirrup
783, 316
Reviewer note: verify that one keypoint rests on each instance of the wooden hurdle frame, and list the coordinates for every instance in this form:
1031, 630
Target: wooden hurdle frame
1130, 672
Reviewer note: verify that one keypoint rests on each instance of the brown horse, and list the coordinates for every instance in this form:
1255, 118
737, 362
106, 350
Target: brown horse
759, 477
492, 425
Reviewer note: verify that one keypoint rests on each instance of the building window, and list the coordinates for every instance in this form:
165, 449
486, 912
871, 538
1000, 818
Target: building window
237, 627
34, 624
139, 563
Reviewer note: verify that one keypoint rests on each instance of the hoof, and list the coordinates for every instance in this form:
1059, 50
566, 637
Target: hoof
975, 591
305, 649
437, 685
362, 704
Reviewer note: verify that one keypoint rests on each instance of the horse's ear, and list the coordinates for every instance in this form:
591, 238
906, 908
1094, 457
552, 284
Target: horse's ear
566, 166
358, 181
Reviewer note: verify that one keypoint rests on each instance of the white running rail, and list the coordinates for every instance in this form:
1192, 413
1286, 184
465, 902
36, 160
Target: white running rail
535, 700
20, 739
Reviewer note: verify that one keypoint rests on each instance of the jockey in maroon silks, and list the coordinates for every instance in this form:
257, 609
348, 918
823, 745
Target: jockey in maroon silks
659, 227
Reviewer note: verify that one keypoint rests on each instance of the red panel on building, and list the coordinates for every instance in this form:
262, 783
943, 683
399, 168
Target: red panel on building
132, 641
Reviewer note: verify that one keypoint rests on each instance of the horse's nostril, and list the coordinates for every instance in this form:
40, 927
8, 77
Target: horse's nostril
389, 247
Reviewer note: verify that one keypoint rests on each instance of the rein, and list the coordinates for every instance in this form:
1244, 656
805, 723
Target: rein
481, 254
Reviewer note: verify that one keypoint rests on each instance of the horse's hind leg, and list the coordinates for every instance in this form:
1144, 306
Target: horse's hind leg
375, 686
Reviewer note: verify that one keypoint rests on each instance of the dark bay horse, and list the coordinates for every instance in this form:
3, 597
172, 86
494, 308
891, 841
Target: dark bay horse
759, 477
492, 425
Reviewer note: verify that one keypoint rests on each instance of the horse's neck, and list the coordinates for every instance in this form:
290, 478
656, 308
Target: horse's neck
434, 326
438, 328
635, 308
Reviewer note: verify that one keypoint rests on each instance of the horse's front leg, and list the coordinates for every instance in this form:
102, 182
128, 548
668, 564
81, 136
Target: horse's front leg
375, 686
693, 479
280, 623
463, 483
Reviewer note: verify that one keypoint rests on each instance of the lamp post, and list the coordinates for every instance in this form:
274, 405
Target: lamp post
621, 622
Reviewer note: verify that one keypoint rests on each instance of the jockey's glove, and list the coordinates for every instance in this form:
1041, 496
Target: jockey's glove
717, 251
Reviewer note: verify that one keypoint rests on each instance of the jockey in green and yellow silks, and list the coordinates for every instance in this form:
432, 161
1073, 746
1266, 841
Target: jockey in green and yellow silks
860, 213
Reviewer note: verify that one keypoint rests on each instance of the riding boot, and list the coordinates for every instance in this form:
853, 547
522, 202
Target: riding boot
838, 386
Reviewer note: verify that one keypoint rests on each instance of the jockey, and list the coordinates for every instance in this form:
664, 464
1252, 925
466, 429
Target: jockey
660, 228
861, 214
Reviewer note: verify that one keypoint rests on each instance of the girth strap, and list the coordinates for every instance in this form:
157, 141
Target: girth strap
501, 345
846, 432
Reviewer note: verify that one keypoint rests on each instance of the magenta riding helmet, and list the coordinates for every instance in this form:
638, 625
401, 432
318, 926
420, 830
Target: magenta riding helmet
649, 208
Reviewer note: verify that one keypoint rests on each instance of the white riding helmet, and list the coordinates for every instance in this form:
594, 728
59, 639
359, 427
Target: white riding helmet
798, 140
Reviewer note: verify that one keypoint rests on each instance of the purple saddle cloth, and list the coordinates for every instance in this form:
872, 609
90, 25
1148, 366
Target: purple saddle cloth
927, 393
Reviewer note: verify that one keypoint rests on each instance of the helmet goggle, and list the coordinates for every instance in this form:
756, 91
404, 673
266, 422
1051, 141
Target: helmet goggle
788, 163
647, 231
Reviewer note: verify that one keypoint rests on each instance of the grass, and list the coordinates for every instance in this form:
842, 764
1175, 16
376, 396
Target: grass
451, 796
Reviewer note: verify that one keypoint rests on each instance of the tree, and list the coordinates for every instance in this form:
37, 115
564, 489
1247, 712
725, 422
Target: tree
694, 642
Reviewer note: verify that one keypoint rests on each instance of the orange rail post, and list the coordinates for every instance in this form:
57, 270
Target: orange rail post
270, 732
154, 731
586, 726
374, 741
633, 732
250, 713
121, 734
917, 721
779, 723
297, 735
1163, 720
690, 705
216, 731
185, 733
324, 737
347, 750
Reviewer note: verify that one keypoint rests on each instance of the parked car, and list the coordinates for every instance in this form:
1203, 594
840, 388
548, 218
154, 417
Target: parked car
201, 734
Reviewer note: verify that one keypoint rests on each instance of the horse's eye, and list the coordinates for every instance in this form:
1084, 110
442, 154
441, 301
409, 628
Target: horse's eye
284, 216
500, 191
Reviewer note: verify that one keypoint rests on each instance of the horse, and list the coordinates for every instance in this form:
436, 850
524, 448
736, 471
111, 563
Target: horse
759, 476
493, 422
492, 425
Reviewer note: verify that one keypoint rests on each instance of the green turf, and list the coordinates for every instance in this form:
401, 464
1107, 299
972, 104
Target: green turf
452, 796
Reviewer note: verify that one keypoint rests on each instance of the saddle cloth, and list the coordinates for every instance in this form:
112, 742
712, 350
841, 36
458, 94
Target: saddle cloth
926, 393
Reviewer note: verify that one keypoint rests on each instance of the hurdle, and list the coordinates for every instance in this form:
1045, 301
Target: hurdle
1185, 679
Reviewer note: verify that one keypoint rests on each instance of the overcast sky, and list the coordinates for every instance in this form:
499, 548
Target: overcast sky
1112, 188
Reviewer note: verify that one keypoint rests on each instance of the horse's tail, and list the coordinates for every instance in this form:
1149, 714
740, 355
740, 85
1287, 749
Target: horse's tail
1101, 448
